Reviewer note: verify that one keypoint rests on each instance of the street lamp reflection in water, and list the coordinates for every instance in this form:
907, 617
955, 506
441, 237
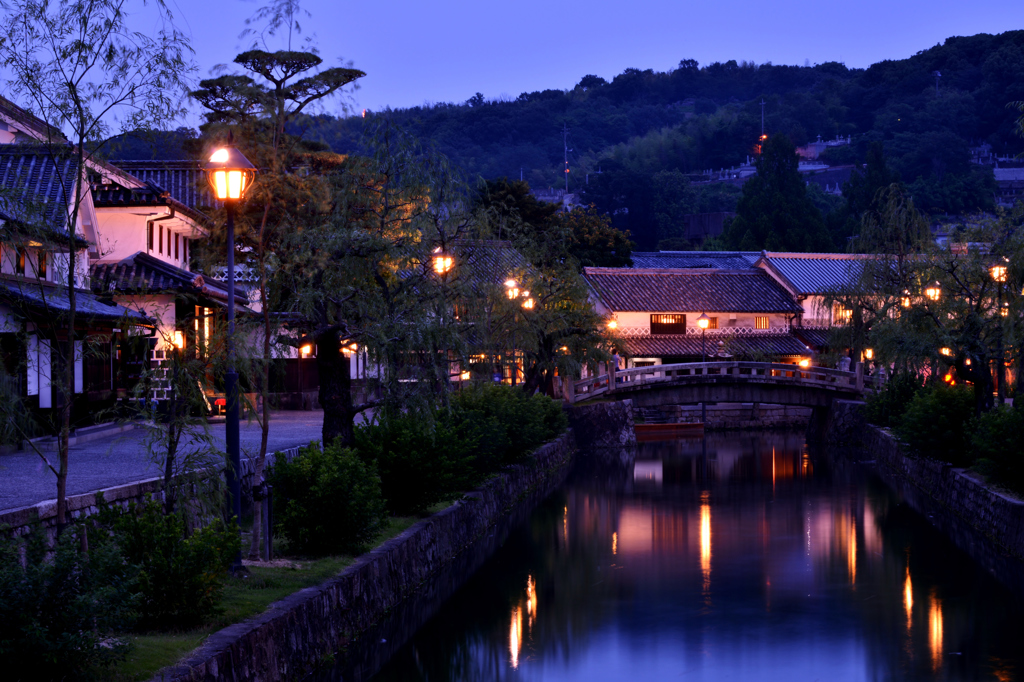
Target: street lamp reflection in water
515, 636
908, 599
935, 630
705, 540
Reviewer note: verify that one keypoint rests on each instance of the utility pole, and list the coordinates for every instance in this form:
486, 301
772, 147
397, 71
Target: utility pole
762, 118
565, 143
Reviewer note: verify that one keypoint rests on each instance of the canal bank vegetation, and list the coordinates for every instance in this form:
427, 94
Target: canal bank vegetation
127, 592
945, 325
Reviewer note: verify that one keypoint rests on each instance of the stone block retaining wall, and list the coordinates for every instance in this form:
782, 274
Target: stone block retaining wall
294, 634
999, 517
727, 416
603, 424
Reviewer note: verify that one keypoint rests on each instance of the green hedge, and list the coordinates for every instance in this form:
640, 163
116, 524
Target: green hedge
61, 611
328, 501
181, 572
935, 423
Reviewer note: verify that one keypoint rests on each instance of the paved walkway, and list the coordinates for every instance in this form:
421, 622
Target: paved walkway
124, 457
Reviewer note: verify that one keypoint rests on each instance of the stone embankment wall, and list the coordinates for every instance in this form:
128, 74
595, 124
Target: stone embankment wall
999, 517
296, 633
603, 425
728, 416
44, 514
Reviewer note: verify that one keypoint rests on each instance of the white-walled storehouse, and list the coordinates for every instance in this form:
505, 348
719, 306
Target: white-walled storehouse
654, 311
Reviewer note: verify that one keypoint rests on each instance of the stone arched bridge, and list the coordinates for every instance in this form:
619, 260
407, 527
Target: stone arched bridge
726, 382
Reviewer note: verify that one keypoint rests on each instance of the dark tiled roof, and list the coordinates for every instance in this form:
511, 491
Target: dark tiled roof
739, 291
815, 337
54, 301
182, 178
737, 346
142, 272
816, 273
31, 123
723, 260
490, 261
37, 184
116, 196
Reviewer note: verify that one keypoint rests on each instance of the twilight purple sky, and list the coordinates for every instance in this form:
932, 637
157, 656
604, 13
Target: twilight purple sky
416, 51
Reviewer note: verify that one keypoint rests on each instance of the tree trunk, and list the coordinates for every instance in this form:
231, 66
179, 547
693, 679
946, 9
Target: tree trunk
335, 391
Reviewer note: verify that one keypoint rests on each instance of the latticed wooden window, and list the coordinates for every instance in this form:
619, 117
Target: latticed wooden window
712, 323
761, 322
668, 324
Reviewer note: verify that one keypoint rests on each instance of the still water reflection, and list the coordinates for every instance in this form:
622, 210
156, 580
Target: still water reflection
745, 557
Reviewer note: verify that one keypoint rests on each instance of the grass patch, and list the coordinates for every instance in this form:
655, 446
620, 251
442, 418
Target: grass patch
244, 598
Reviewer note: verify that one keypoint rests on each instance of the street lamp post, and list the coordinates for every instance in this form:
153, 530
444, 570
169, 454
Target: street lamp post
230, 174
998, 273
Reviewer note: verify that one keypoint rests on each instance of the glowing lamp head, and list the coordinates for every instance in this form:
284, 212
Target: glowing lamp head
869, 354
613, 325
805, 363
934, 293
442, 261
512, 289
529, 302
229, 174
179, 340
998, 273
464, 376
946, 351
306, 350
703, 321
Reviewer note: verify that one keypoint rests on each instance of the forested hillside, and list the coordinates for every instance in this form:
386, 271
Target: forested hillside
645, 129
640, 135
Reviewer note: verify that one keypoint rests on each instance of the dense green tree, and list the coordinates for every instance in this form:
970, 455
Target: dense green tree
774, 212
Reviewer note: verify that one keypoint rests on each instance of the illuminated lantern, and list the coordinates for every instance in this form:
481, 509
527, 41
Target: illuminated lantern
229, 174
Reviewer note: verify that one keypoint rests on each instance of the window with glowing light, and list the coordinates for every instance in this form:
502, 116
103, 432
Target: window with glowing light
761, 322
668, 324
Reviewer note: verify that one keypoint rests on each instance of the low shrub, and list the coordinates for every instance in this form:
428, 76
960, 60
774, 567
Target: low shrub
995, 439
507, 423
61, 609
422, 458
935, 423
181, 574
327, 501
887, 407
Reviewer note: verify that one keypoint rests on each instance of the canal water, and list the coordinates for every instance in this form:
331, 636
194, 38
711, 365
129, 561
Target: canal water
742, 557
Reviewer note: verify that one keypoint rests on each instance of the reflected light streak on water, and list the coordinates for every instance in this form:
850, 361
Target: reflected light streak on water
705, 540
851, 558
908, 599
515, 636
615, 543
935, 630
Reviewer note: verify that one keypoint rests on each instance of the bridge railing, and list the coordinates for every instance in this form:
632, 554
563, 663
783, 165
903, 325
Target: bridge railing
758, 372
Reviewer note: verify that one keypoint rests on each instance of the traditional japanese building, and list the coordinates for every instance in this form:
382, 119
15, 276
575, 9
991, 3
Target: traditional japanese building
655, 312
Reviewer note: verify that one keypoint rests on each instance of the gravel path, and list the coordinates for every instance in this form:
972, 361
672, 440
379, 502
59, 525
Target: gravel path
123, 458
